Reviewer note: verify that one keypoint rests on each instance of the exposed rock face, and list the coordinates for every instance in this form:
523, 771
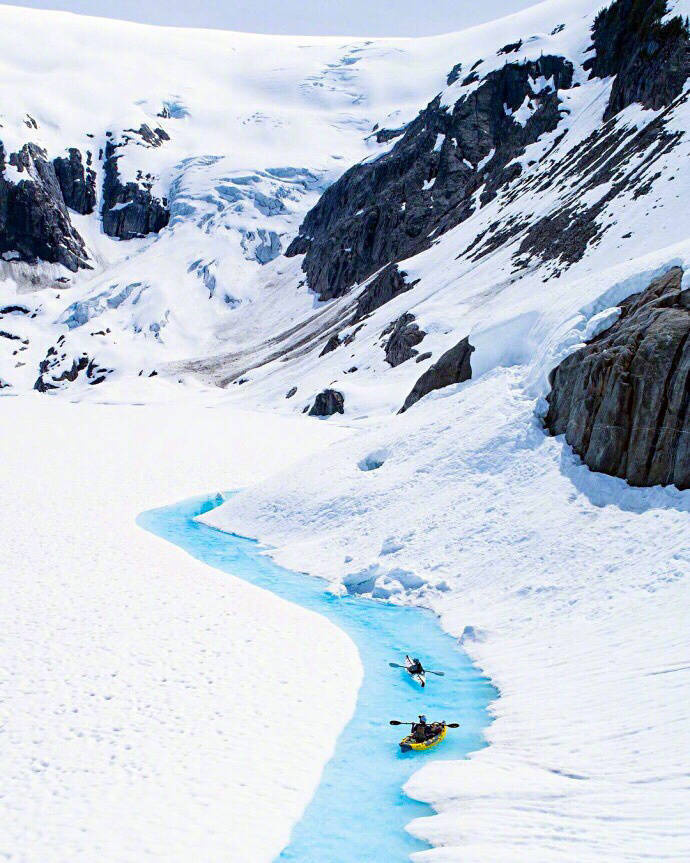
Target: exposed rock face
331, 345
623, 401
77, 184
453, 367
389, 283
129, 209
34, 221
59, 368
405, 334
650, 59
327, 403
384, 210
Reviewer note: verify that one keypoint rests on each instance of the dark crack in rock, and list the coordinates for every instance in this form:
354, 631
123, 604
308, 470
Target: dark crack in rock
453, 367
623, 400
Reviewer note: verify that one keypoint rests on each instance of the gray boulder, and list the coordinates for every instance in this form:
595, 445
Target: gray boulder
453, 367
331, 345
389, 283
327, 403
623, 401
404, 335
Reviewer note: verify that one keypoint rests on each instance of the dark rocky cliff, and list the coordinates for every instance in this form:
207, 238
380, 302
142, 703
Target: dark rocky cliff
385, 210
623, 401
649, 56
130, 209
77, 183
34, 220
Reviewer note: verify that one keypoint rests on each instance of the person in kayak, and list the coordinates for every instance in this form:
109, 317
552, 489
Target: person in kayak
415, 666
421, 731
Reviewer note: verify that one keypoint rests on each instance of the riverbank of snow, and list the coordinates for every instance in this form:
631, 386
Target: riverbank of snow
570, 588
126, 664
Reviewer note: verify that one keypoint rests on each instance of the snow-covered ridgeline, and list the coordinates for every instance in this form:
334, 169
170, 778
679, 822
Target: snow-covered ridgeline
253, 129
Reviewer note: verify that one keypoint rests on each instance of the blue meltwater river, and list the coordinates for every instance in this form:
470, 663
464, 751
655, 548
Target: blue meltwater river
359, 812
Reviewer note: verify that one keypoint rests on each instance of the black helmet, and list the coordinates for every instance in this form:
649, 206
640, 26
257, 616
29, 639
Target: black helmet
422, 718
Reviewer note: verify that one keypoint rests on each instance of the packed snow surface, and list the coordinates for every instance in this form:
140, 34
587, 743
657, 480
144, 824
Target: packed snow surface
128, 666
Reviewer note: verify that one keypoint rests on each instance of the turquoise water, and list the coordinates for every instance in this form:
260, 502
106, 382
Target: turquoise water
359, 812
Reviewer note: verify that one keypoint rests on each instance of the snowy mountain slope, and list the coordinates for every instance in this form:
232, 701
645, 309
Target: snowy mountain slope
461, 254
230, 137
562, 211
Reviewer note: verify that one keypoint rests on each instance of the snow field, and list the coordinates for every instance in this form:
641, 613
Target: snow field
127, 665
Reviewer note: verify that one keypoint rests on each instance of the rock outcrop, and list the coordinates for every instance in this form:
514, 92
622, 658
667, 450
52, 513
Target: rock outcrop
389, 283
384, 211
623, 400
34, 221
404, 335
60, 368
327, 403
77, 183
453, 367
649, 56
331, 345
130, 209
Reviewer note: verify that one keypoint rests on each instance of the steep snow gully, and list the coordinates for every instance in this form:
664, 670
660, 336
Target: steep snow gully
359, 811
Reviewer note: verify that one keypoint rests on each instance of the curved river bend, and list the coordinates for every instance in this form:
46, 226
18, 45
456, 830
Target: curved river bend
358, 812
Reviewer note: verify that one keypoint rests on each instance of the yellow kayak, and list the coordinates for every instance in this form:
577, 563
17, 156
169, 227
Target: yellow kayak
409, 743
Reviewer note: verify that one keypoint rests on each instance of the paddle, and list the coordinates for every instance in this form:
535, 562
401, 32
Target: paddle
426, 670
447, 724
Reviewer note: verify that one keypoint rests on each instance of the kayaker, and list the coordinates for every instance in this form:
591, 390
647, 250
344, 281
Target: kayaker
420, 730
415, 666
